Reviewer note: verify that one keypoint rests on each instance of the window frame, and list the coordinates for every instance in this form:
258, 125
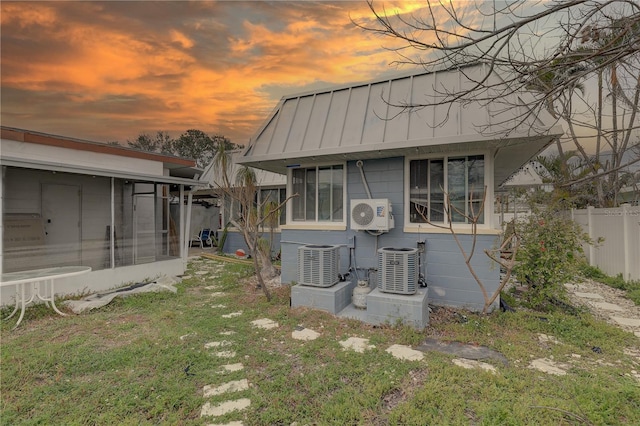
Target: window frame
291, 223
445, 157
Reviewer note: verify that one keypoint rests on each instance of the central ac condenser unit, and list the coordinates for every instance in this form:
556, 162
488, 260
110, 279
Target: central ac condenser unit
398, 270
318, 265
371, 215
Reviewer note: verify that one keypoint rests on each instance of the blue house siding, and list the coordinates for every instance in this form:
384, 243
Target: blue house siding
235, 241
449, 280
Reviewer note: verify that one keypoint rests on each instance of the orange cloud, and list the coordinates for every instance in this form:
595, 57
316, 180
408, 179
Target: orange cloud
208, 68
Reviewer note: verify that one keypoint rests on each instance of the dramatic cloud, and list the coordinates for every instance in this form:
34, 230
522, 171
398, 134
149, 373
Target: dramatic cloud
108, 71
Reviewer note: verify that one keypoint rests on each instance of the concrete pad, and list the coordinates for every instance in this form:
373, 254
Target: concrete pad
357, 344
264, 323
607, 306
225, 354
232, 315
230, 368
471, 364
233, 386
462, 350
305, 334
225, 407
588, 295
405, 353
216, 344
631, 322
547, 366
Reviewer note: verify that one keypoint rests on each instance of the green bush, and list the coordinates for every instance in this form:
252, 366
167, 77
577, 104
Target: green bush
549, 256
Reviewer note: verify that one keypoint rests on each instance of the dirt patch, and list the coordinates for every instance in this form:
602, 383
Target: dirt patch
406, 390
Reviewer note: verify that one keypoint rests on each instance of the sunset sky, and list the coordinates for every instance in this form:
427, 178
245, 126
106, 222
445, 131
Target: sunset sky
107, 71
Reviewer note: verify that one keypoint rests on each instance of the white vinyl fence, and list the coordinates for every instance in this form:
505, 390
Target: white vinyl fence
619, 253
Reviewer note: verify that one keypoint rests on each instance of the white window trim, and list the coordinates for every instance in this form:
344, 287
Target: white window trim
316, 224
484, 228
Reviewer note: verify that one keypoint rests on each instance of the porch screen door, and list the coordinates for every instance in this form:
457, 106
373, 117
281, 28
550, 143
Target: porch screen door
61, 215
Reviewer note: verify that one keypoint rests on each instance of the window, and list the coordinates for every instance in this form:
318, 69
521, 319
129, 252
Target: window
460, 177
274, 196
320, 194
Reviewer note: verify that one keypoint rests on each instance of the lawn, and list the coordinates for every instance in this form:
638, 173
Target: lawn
142, 360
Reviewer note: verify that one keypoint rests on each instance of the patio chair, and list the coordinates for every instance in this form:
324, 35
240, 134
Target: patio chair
204, 237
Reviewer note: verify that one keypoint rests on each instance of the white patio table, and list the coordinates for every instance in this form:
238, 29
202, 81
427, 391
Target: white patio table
34, 278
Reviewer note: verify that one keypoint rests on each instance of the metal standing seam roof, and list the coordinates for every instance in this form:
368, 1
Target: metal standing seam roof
362, 121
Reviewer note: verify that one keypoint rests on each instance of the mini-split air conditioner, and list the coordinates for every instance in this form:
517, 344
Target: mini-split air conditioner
318, 265
371, 215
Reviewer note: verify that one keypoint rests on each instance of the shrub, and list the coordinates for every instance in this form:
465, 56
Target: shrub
549, 256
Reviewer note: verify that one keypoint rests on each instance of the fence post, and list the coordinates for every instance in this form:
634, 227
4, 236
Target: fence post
592, 251
626, 231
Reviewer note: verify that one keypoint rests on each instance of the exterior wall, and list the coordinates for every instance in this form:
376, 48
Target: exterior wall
235, 241
450, 282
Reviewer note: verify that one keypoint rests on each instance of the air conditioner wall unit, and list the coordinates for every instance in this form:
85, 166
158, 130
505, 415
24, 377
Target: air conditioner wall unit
372, 215
398, 270
318, 265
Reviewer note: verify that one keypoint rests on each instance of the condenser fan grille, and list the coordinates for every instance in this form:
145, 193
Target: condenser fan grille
398, 270
318, 265
362, 214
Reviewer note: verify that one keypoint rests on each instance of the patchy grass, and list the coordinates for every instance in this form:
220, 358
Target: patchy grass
125, 364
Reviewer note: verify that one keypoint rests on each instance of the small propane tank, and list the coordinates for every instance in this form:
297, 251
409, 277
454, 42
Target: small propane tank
360, 292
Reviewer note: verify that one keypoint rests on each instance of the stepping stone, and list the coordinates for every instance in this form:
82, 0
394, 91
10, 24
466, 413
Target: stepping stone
227, 333
405, 353
631, 322
216, 344
547, 366
187, 335
202, 272
305, 334
217, 294
588, 295
607, 306
211, 287
225, 407
232, 315
473, 364
265, 323
218, 306
357, 344
225, 354
544, 338
185, 277
230, 368
234, 386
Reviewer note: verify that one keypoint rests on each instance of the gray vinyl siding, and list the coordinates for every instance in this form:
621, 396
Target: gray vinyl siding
449, 280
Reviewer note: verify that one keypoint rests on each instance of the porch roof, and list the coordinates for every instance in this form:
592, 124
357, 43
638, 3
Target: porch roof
180, 170
366, 120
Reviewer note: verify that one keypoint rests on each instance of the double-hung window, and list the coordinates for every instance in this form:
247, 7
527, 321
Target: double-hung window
320, 192
459, 177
